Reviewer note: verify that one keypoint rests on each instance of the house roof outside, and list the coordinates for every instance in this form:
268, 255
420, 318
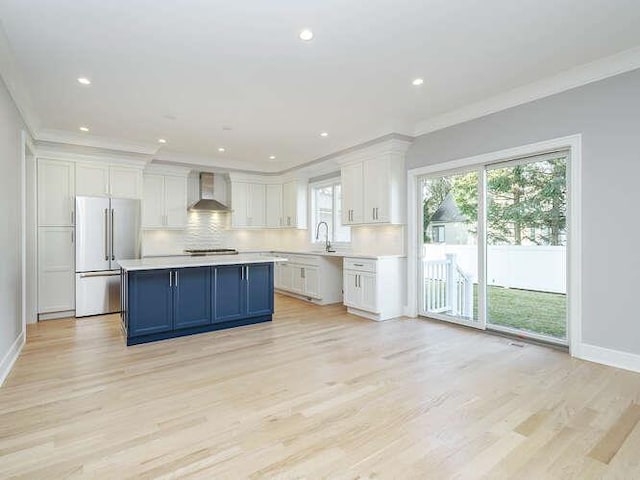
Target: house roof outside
448, 211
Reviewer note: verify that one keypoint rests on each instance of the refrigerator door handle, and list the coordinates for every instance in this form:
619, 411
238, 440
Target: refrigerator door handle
106, 234
113, 248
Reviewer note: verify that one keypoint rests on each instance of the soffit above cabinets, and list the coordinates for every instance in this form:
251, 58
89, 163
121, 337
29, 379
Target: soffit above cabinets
206, 76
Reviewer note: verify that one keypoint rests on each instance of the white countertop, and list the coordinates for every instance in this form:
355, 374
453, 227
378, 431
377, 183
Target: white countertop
157, 263
336, 254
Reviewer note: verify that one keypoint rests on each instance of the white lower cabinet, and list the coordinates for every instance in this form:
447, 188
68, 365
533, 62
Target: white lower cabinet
314, 278
56, 269
374, 288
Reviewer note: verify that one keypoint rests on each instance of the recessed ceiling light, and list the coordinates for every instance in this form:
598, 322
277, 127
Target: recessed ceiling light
324, 134
162, 140
417, 82
272, 157
84, 129
221, 149
84, 81
306, 35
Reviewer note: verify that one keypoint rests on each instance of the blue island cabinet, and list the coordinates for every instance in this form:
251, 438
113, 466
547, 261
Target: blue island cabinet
170, 303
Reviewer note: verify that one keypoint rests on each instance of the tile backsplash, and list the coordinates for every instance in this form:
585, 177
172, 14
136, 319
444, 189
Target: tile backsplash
212, 230
207, 230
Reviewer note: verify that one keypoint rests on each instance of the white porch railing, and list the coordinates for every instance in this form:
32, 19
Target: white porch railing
447, 289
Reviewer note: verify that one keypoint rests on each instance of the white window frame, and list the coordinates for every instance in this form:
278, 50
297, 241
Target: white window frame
329, 182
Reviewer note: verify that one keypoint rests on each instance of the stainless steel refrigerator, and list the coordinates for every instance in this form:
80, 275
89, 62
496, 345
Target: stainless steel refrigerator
107, 230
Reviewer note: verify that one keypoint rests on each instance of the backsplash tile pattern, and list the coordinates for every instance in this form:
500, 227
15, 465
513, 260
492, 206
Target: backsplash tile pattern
207, 230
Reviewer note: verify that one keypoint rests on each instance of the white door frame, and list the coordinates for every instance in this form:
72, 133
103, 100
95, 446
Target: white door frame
574, 209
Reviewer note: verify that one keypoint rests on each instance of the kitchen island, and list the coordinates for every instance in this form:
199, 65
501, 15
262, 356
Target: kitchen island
175, 296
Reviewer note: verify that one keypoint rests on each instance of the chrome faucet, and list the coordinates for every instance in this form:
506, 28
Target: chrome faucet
327, 243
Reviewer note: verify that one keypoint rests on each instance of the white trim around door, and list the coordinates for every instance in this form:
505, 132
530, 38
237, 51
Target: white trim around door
574, 288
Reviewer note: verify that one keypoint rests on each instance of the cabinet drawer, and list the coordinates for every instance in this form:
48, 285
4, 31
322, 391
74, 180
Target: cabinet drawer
360, 264
310, 260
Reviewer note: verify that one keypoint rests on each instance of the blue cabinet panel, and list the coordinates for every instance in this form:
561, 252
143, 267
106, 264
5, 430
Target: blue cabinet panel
230, 289
149, 302
259, 289
192, 297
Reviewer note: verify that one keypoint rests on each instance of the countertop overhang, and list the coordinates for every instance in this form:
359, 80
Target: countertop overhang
159, 263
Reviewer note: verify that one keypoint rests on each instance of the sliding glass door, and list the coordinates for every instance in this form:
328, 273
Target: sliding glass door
494, 247
450, 248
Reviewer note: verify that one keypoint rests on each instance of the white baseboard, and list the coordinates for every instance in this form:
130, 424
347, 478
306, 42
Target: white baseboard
606, 356
10, 358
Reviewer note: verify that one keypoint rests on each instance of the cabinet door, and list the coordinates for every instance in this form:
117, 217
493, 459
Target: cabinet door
125, 182
153, 202
376, 181
175, 198
229, 293
192, 297
274, 206
286, 280
312, 281
352, 294
297, 279
239, 204
56, 193
56, 269
150, 302
92, 179
352, 200
259, 278
368, 292
257, 206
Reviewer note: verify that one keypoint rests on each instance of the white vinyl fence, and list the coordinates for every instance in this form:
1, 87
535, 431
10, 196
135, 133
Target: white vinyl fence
527, 267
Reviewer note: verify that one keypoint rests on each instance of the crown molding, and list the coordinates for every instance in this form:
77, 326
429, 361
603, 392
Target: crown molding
15, 84
95, 141
622, 62
80, 153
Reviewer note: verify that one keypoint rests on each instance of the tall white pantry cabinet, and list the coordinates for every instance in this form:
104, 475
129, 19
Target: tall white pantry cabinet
58, 183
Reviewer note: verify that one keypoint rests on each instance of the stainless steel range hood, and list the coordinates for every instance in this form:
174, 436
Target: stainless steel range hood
206, 200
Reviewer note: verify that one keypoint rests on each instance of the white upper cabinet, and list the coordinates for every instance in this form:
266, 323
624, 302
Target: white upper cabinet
165, 201
98, 179
175, 201
125, 182
294, 204
248, 202
261, 204
373, 191
92, 179
56, 193
274, 206
352, 194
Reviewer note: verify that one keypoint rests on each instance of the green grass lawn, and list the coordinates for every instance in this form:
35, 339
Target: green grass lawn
538, 312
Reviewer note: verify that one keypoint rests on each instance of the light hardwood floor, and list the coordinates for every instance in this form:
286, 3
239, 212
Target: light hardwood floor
317, 393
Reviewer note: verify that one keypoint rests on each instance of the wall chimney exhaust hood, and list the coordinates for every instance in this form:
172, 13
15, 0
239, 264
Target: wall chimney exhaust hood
206, 200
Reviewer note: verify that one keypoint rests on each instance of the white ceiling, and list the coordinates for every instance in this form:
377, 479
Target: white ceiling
208, 64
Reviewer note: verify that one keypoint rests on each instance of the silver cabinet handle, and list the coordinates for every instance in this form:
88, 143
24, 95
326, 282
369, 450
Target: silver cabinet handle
247, 269
176, 278
358, 265
170, 278
302, 273
242, 273
73, 218
373, 213
72, 236
106, 234
113, 247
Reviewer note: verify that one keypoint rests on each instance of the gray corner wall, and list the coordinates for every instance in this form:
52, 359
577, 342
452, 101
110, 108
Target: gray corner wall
11, 126
607, 114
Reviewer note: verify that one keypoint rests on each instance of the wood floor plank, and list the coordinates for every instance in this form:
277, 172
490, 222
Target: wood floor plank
316, 393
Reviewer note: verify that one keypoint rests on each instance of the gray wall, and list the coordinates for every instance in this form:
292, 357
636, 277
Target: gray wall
11, 126
607, 114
